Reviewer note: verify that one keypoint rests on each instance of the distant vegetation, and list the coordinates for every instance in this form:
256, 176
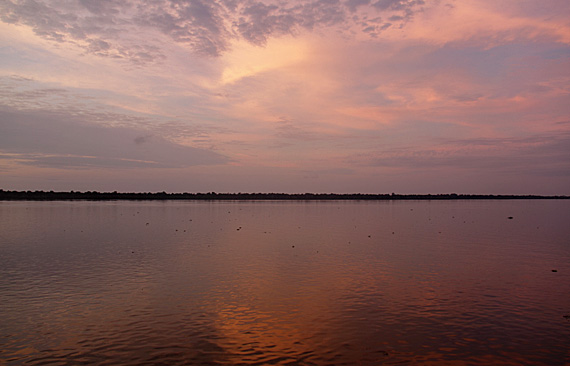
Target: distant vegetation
102, 196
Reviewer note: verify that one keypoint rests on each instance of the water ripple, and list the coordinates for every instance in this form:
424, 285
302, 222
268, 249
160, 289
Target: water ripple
299, 284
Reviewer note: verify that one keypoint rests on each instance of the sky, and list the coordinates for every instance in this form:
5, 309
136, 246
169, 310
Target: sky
342, 96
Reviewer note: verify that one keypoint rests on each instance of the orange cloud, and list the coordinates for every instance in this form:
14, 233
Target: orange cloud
475, 19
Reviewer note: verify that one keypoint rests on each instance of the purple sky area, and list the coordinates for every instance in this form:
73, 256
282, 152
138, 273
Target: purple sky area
371, 96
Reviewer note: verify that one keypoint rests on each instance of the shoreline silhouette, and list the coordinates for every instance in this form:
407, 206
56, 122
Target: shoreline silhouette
7, 195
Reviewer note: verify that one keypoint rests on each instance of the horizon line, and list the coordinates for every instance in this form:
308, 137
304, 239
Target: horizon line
6, 195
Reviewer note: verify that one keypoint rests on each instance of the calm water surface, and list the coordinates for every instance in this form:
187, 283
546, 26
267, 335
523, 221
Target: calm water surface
285, 283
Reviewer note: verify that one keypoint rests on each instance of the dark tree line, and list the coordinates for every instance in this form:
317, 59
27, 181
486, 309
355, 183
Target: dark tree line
96, 196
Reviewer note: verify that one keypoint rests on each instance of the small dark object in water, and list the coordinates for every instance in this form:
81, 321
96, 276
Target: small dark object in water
554, 270
368, 235
566, 317
292, 246
510, 217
